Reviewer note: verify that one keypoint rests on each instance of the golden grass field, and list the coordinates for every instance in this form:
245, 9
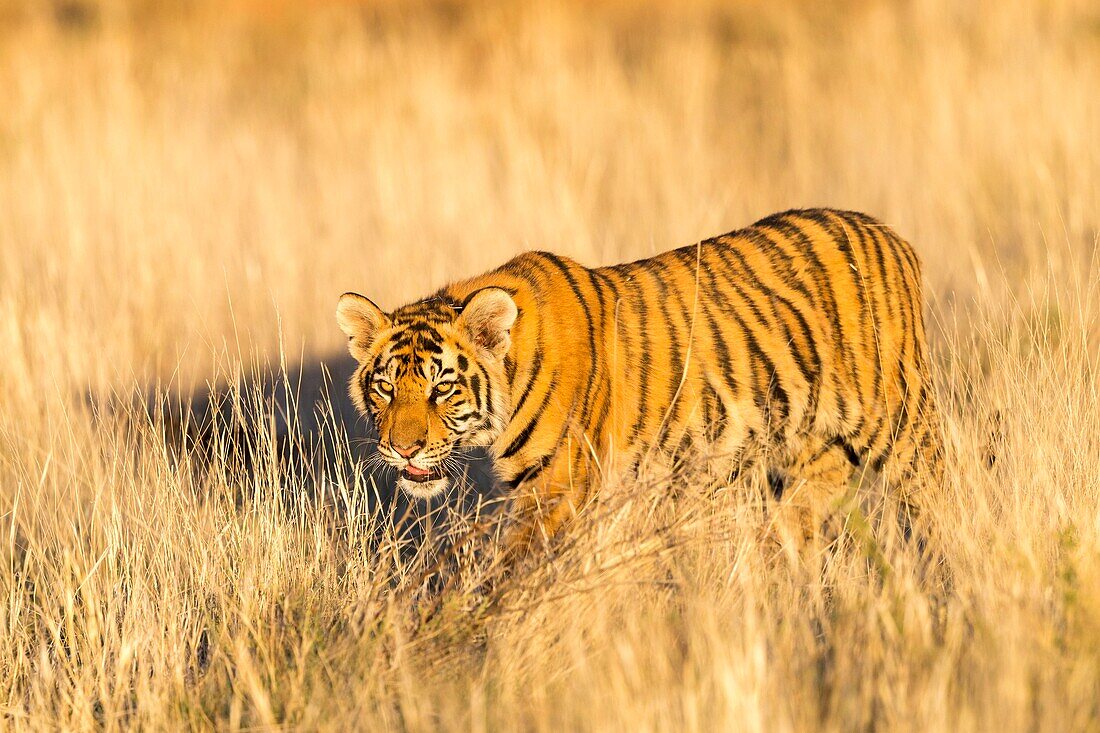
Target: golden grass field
186, 189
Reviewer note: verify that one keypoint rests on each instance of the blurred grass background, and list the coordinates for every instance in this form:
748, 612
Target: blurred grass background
188, 186
183, 156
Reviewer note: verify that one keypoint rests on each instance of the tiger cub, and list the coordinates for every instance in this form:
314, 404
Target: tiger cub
798, 340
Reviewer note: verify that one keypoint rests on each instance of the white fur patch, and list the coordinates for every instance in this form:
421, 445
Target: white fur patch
423, 490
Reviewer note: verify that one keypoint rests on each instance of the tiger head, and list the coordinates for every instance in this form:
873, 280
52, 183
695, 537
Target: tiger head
431, 375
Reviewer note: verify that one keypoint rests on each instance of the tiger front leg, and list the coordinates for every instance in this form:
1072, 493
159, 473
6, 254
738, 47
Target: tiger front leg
541, 507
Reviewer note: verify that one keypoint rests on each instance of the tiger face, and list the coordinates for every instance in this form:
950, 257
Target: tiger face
431, 375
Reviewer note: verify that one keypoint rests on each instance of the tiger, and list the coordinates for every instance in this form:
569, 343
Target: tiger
797, 343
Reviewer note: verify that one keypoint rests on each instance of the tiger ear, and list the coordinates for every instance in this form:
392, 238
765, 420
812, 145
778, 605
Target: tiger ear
487, 316
360, 320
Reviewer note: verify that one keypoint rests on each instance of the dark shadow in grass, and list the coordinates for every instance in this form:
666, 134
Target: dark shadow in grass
303, 420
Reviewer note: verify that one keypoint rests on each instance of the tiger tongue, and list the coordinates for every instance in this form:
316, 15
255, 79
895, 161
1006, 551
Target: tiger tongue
414, 471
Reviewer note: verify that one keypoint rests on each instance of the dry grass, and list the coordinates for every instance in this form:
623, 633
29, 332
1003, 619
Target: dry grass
186, 188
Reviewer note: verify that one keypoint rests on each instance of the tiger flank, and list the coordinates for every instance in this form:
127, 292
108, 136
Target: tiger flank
798, 342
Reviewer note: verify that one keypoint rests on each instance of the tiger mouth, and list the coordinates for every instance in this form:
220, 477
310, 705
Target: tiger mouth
421, 476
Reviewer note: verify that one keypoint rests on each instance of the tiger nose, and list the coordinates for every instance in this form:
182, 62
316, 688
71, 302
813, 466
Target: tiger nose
407, 451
